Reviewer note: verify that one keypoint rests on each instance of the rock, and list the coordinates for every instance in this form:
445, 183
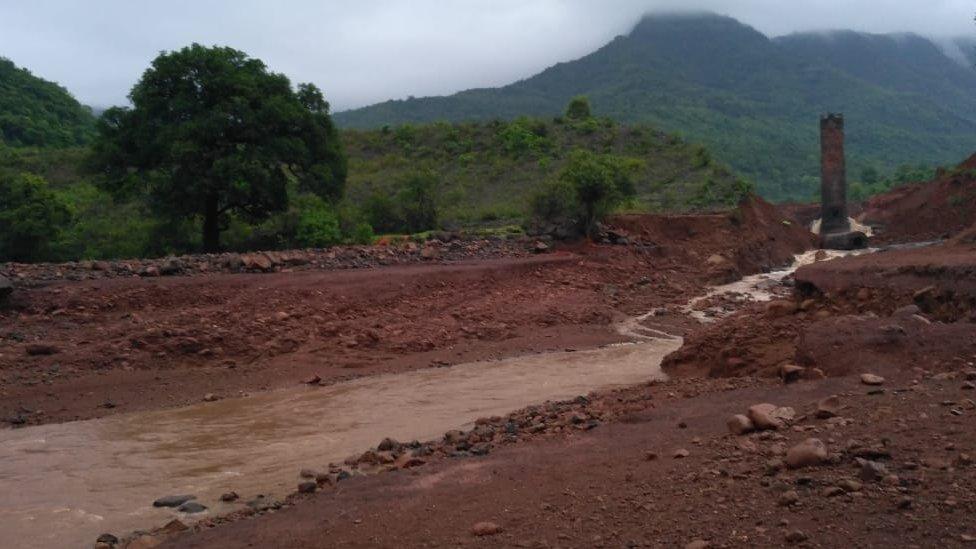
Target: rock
312, 380
809, 453
796, 536
789, 498
102, 545
6, 287
175, 526
307, 487
791, 373
540, 247
764, 417
482, 529
388, 445
307, 473
781, 307
430, 252
149, 271
740, 425
681, 453
828, 407
173, 501
41, 349
698, 544
850, 485
210, 397
832, 491
407, 461
871, 379
192, 507
257, 262
107, 538
872, 471
229, 497
171, 266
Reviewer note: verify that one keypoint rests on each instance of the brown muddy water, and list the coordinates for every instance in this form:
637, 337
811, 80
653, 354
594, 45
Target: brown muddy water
64, 485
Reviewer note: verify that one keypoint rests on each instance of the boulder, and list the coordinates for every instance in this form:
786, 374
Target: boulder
780, 307
791, 373
173, 501
769, 416
809, 453
192, 507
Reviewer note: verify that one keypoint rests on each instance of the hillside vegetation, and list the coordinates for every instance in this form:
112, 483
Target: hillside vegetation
754, 100
35, 112
488, 172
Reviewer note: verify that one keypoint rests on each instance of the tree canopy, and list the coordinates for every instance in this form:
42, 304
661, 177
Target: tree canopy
213, 132
35, 112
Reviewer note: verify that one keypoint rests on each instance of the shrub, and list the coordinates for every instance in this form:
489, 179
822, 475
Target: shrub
318, 224
31, 217
578, 108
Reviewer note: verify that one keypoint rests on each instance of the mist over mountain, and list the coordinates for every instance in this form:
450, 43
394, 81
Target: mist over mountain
753, 99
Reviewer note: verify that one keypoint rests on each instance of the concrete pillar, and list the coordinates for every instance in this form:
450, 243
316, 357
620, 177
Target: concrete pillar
833, 176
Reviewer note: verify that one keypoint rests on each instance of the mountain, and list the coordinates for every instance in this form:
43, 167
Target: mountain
35, 112
754, 100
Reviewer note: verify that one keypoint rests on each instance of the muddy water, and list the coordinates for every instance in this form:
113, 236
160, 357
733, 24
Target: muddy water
63, 485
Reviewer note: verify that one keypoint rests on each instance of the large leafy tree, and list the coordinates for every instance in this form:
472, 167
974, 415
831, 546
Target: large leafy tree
212, 133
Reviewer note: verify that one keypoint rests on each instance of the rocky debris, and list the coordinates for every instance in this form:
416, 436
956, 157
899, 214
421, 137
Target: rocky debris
192, 507
872, 379
811, 452
343, 257
483, 529
173, 501
740, 425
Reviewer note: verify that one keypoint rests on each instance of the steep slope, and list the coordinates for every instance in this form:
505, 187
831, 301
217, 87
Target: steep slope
754, 100
35, 112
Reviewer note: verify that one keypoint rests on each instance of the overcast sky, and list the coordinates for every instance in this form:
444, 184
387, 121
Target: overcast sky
364, 51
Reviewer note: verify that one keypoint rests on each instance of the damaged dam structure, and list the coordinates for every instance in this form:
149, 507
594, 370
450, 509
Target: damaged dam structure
835, 228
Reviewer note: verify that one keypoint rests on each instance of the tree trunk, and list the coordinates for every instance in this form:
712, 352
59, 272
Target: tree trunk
211, 225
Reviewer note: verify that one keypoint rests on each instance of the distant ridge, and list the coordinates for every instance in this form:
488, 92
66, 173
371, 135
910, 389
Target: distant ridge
35, 112
752, 99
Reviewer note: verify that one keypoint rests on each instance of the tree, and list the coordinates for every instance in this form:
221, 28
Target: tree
601, 183
579, 108
417, 201
212, 133
31, 217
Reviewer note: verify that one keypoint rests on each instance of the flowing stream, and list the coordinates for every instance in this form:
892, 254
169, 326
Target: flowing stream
63, 485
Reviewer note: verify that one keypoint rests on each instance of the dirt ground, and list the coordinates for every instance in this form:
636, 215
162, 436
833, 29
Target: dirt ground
653, 465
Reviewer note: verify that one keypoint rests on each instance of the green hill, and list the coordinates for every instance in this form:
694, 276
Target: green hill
752, 99
488, 171
35, 112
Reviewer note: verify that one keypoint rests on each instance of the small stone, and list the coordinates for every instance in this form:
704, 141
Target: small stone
763, 416
740, 425
832, 491
791, 373
872, 471
307, 487
192, 507
828, 407
210, 397
808, 453
313, 380
307, 473
789, 498
41, 349
483, 529
905, 502
850, 485
872, 379
796, 536
681, 453
388, 445
173, 501
107, 538
229, 497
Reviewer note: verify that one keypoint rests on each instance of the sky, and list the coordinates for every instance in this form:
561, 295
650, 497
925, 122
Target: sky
364, 51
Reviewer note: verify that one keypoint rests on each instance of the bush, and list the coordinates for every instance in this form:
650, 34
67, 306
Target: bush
417, 201
31, 217
555, 203
318, 224
578, 108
